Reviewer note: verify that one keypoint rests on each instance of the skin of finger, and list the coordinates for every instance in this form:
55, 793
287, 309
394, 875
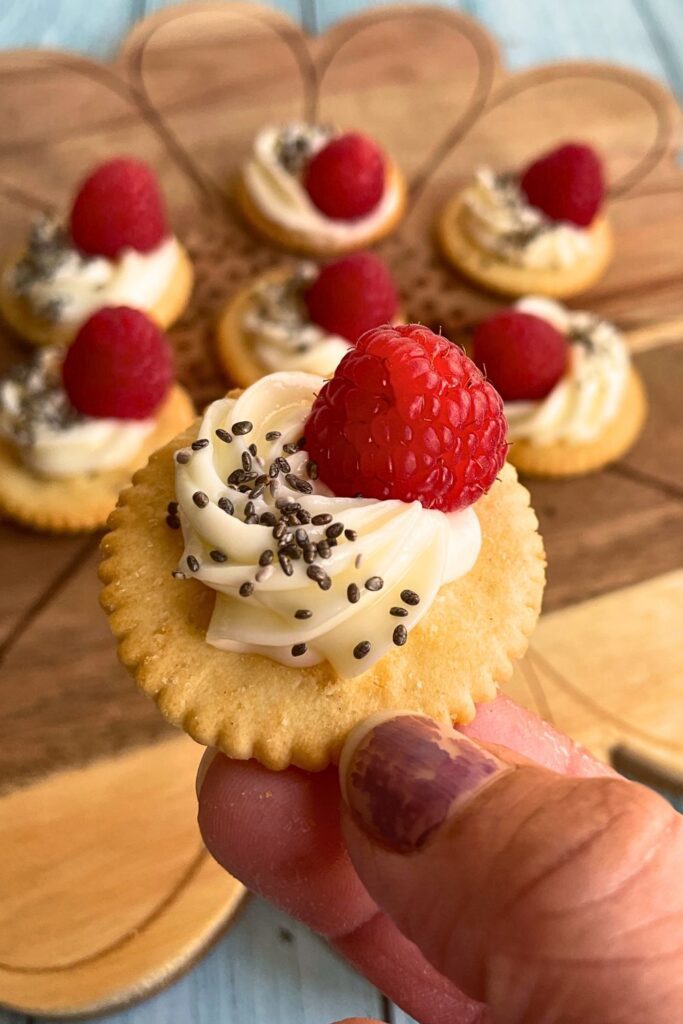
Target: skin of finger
507, 724
279, 833
546, 898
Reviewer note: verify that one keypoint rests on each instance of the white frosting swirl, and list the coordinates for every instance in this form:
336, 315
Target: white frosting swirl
589, 395
77, 286
499, 220
407, 546
51, 438
280, 333
280, 195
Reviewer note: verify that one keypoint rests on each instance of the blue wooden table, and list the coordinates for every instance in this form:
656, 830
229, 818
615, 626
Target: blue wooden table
267, 969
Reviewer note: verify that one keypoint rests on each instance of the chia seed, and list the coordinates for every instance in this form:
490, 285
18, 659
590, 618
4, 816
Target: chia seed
362, 649
400, 635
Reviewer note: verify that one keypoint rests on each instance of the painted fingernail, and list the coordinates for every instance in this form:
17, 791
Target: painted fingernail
203, 767
404, 775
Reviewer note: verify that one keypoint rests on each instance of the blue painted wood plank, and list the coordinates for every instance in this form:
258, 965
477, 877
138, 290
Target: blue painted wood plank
93, 28
266, 968
535, 31
663, 20
291, 7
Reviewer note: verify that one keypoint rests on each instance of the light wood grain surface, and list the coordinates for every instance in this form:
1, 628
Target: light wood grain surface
267, 968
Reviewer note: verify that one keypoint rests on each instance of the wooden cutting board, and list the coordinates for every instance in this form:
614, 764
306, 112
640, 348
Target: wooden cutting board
106, 889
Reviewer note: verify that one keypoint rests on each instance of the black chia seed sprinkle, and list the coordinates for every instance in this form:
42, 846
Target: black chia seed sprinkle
400, 613
192, 563
251, 520
247, 589
321, 520
410, 597
253, 449
173, 522
350, 534
267, 519
335, 530
223, 435
374, 583
273, 470
249, 508
310, 553
279, 531
301, 537
400, 635
285, 563
361, 649
226, 505
317, 573
303, 517
257, 491
246, 462
273, 435
200, 499
218, 556
290, 449
299, 649
303, 613
324, 549
172, 508
312, 469
297, 484
266, 557
243, 427
236, 477
183, 456
283, 465
353, 593
263, 574
200, 443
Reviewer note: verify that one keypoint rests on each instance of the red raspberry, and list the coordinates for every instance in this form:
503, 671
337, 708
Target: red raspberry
522, 355
407, 415
118, 365
567, 184
119, 206
351, 295
345, 179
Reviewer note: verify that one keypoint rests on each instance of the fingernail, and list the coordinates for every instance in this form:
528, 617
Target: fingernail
204, 765
403, 775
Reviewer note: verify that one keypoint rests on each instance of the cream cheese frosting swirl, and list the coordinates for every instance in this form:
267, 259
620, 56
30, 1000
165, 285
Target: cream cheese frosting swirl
499, 220
589, 395
280, 333
302, 576
51, 438
274, 184
65, 287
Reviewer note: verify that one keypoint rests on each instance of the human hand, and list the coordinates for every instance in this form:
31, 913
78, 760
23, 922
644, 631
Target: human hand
507, 878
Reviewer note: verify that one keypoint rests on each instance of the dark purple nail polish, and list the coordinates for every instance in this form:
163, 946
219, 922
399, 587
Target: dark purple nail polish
407, 774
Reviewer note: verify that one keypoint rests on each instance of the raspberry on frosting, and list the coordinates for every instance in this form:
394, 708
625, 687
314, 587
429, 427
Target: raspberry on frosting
119, 206
119, 365
352, 295
522, 355
345, 179
408, 415
567, 184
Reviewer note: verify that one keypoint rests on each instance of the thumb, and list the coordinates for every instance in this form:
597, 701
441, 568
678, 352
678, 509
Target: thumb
550, 899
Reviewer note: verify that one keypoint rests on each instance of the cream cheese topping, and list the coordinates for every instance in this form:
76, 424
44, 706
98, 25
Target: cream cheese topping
500, 221
280, 333
326, 587
589, 395
62, 285
274, 184
51, 438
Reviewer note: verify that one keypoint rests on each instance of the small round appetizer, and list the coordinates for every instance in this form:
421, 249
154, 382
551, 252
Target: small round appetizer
114, 248
304, 318
76, 423
315, 190
573, 401
345, 547
539, 232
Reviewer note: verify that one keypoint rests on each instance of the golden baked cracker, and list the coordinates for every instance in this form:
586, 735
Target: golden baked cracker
77, 504
563, 459
251, 706
497, 275
233, 346
168, 307
301, 243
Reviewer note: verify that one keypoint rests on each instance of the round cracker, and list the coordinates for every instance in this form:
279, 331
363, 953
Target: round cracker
82, 503
252, 707
498, 275
563, 459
